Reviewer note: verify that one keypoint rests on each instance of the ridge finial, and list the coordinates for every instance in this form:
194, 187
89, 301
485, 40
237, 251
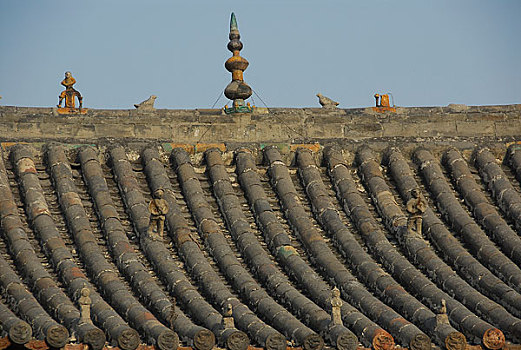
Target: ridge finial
237, 90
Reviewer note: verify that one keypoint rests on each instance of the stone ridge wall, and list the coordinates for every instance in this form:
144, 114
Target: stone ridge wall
278, 125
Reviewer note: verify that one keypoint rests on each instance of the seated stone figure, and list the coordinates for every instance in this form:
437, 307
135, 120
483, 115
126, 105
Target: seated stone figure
69, 93
416, 206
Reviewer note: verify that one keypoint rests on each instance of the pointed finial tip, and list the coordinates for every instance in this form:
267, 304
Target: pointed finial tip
233, 23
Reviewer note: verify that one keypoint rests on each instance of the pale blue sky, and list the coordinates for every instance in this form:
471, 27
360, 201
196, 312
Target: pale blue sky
427, 53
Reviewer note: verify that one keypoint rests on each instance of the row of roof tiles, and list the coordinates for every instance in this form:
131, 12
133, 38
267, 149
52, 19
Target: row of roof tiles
267, 239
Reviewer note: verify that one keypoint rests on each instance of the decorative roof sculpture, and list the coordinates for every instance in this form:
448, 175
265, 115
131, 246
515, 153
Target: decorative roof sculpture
383, 104
85, 303
237, 90
326, 102
69, 94
147, 105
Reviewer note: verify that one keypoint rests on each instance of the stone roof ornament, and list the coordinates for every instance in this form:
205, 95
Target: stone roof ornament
147, 105
336, 306
237, 90
69, 95
416, 206
326, 102
158, 208
85, 303
383, 103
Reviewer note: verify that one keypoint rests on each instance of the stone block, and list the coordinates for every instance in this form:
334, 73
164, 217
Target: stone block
507, 128
167, 116
437, 129
326, 131
85, 132
325, 119
493, 109
273, 133
487, 116
113, 113
363, 131
115, 130
423, 111
221, 119
393, 129
57, 129
475, 128
29, 128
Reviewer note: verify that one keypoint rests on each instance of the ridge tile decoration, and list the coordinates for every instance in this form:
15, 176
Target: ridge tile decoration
237, 90
69, 95
256, 239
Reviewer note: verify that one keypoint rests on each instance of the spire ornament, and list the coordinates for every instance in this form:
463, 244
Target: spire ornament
237, 90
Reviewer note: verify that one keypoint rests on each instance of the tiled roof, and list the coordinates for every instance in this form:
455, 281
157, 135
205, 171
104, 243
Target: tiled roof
268, 230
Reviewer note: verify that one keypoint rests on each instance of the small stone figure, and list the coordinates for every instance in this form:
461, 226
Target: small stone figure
69, 93
416, 206
227, 321
442, 317
147, 105
158, 208
336, 305
326, 102
85, 303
